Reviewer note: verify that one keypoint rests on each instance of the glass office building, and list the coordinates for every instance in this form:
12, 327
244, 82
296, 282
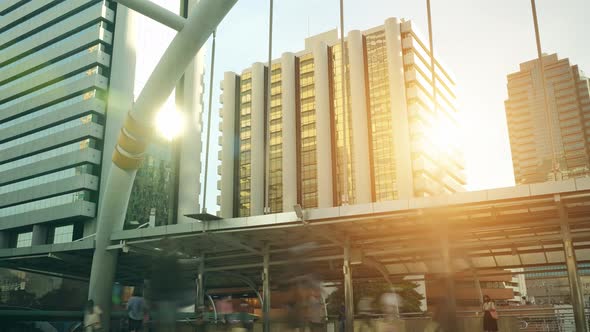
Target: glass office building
380, 143
70, 72
532, 133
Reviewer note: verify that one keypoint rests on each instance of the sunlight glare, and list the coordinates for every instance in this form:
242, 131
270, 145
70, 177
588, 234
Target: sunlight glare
169, 123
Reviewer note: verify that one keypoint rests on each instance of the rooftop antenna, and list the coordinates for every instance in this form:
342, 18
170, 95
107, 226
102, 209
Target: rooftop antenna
555, 165
267, 114
344, 188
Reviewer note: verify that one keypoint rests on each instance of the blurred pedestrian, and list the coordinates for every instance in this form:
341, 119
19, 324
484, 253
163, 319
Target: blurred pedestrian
317, 312
490, 315
92, 316
136, 309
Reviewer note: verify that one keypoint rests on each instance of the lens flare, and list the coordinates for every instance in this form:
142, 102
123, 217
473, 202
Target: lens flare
169, 123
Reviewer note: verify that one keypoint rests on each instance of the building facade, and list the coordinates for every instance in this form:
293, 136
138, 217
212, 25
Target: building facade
530, 130
69, 71
388, 148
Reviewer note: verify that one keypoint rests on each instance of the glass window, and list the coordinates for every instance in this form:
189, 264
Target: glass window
24, 239
63, 234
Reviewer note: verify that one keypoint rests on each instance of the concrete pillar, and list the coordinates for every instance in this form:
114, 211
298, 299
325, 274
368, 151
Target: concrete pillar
449, 279
257, 138
40, 232
190, 145
4, 240
266, 290
399, 110
323, 126
229, 113
360, 121
576, 289
289, 133
348, 293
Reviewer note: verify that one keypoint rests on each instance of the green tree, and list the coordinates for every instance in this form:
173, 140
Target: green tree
411, 299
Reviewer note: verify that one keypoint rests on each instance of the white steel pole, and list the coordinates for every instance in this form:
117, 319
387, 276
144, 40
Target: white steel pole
134, 137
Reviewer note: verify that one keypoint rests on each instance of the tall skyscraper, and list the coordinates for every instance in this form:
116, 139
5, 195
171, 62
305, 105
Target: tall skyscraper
531, 133
395, 144
67, 81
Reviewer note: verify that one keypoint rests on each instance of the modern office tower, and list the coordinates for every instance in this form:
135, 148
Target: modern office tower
67, 81
395, 144
532, 135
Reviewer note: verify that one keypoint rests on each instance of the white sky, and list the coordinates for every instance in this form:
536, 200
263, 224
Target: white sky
479, 41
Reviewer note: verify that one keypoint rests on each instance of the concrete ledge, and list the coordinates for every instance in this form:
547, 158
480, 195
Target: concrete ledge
55, 31
52, 141
583, 184
74, 183
49, 165
56, 72
357, 209
76, 210
95, 81
61, 115
521, 191
389, 206
548, 188
323, 213
86, 38
43, 18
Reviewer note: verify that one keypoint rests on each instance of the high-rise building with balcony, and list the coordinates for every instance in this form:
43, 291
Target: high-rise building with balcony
394, 144
70, 72
561, 120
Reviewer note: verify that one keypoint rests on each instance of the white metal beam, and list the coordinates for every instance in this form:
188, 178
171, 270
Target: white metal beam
155, 12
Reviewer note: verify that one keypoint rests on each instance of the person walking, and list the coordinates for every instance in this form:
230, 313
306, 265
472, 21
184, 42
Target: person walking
136, 309
92, 317
490, 315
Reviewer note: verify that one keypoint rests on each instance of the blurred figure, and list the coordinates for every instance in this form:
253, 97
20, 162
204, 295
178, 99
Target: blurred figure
244, 316
490, 315
317, 317
342, 318
92, 317
365, 310
440, 318
136, 308
390, 303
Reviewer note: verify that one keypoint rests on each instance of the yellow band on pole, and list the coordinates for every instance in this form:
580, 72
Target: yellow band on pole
126, 162
130, 144
136, 129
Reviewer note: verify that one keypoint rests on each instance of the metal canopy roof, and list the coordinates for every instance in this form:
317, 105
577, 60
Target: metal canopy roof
500, 228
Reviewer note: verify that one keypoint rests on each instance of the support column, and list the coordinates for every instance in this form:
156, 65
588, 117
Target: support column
39, 234
266, 290
323, 126
399, 109
4, 240
348, 293
289, 157
191, 144
257, 139
449, 279
359, 121
229, 112
576, 290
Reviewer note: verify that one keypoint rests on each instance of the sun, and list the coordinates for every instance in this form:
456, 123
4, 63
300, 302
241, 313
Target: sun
169, 123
